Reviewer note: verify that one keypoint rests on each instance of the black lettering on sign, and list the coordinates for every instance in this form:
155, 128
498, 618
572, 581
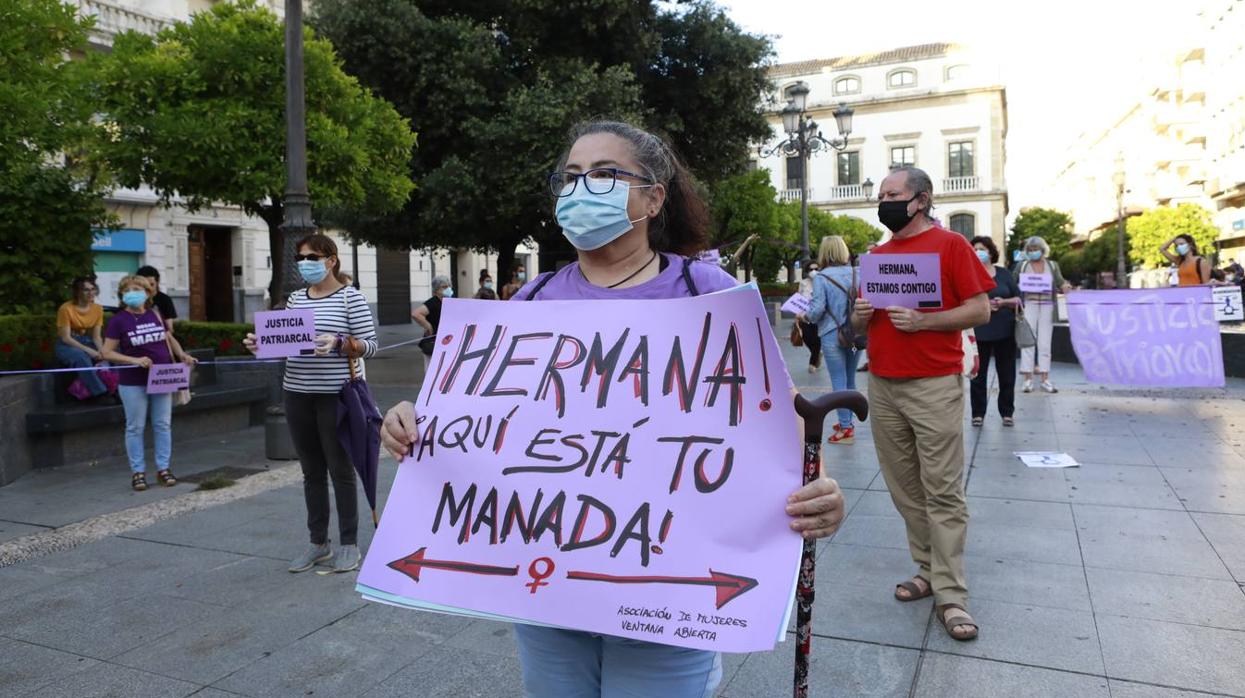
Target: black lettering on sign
729, 372
637, 368
676, 372
603, 364
552, 377
483, 356
507, 361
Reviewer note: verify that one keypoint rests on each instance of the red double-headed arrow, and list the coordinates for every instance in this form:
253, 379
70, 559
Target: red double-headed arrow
413, 564
728, 586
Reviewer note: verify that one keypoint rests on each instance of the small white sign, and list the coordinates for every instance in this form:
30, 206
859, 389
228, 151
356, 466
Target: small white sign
1035, 283
1228, 303
1046, 459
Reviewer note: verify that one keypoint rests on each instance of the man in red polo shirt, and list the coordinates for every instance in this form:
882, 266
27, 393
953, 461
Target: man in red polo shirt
916, 396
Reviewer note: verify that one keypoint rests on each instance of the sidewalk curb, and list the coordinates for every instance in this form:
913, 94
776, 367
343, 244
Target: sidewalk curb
115, 523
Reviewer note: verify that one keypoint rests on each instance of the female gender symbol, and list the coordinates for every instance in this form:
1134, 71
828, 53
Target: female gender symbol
539, 576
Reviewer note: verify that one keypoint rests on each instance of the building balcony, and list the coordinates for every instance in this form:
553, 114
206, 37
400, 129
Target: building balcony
112, 19
847, 192
959, 185
790, 195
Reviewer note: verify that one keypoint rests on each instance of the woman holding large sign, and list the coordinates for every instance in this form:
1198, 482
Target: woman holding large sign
629, 207
1040, 280
344, 332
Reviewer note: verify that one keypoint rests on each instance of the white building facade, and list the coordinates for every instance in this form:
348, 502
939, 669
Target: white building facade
216, 263
928, 106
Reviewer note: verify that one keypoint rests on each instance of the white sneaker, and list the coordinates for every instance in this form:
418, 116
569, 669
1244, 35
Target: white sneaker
1028, 387
1048, 388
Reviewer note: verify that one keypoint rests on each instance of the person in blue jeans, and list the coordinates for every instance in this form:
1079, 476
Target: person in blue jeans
834, 288
629, 207
137, 336
79, 326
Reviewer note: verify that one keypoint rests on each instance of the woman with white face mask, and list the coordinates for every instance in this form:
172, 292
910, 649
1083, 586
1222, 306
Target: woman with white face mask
628, 206
1039, 311
344, 332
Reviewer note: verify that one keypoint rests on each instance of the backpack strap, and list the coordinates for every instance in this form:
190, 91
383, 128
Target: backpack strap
540, 283
687, 277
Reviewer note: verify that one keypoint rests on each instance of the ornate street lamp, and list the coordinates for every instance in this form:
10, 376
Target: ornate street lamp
1118, 180
804, 139
296, 204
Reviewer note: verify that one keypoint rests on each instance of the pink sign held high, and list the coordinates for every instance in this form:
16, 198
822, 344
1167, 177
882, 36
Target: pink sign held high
624, 477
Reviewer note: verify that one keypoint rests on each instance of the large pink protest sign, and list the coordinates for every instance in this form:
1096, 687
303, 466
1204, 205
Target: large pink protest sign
280, 333
620, 467
904, 280
167, 378
1163, 337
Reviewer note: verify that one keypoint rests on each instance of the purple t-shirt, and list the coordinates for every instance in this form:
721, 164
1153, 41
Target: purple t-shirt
568, 284
138, 336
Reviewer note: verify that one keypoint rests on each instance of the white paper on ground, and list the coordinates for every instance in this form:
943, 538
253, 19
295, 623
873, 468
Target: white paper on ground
1046, 459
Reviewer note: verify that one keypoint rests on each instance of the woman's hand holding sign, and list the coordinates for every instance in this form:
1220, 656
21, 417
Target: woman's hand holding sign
399, 432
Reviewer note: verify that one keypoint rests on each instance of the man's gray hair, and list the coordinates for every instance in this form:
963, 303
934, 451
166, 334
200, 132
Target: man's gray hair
918, 183
1039, 243
440, 282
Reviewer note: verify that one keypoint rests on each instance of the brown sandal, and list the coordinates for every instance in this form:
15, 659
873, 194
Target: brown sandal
914, 590
138, 482
166, 478
959, 620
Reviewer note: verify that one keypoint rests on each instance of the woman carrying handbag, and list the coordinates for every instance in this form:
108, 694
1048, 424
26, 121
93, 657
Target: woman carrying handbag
345, 332
997, 339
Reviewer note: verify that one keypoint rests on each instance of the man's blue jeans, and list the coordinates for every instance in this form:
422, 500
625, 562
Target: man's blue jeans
138, 404
73, 357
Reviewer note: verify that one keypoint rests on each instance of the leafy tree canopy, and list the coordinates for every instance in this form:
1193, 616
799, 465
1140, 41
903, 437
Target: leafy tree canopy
1055, 227
1149, 231
199, 113
49, 197
494, 86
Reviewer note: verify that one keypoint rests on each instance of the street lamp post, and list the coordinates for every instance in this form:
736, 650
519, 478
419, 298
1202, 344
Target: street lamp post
1118, 180
804, 139
296, 204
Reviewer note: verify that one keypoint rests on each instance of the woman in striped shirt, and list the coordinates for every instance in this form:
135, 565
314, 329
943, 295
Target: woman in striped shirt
344, 332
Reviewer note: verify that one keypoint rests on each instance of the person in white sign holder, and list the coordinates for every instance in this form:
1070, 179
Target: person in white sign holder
1039, 310
631, 210
344, 332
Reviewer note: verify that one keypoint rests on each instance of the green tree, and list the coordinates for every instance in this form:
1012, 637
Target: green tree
198, 113
49, 192
1151, 229
854, 231
494, 86
744, 205
1055, 227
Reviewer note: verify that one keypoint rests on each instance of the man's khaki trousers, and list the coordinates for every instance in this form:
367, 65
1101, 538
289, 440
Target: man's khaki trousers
918, 431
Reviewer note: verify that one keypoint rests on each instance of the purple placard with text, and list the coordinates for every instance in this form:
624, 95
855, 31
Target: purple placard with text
624, 478
797, 303
904, 280
1161, 337
167, 378
280, 333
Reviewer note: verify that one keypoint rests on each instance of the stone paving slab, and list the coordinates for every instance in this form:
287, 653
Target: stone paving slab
967, 677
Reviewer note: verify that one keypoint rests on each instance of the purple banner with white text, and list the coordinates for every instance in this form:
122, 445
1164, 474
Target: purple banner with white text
1161, 337
619, 467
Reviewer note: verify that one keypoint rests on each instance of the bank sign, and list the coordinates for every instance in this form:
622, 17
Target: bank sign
123, 240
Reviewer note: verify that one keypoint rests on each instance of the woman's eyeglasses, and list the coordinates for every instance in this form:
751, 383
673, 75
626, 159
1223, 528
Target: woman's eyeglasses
308, 257
598, 181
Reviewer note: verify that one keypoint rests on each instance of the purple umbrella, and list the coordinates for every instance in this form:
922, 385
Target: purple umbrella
358, 429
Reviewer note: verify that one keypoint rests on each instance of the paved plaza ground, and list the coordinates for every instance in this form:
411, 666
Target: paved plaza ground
1120, 578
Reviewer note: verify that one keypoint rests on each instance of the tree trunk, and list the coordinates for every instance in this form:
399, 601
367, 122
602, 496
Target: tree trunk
272, 216
748, 266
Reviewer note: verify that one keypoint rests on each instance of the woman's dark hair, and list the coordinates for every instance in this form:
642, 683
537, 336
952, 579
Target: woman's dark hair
323, 245
1191, 243
79, 286
989, 245
682, 225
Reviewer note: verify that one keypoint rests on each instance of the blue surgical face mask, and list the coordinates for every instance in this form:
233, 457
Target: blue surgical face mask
312, 272
1182, 249
1035, 255
521, 276
134, 299
983, 256
488, 284
448, 292
592, 221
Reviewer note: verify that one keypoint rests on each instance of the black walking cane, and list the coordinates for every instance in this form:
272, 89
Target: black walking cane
814, 413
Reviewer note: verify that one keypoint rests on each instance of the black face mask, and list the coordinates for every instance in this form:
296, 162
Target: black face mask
894, 214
